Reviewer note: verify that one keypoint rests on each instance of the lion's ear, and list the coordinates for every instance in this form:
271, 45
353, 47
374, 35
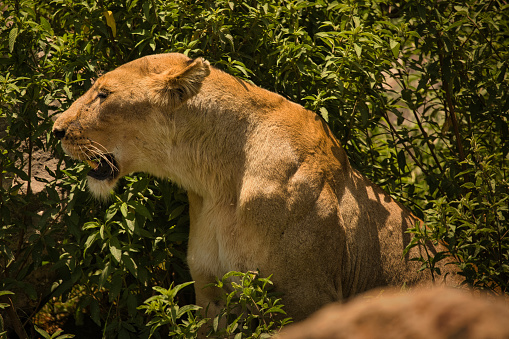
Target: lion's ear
170, 88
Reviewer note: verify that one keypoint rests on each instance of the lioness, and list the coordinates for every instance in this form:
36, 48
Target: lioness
269, 186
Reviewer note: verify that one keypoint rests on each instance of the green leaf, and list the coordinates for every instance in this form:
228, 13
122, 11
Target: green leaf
5, 293
110, 21
90, 240
110, 213
45, 24
358, 50
142, 210
115, 248
13, 34
130, 264
324, 113
468, 185
132, 303
188, 308
176, 212
124, 209
357, 21
132, 5
105, 273
181, 286
394, 48
131, 224
215, 323
90, 225
364, 110
402, 160
42, 332
116, 286
95, 311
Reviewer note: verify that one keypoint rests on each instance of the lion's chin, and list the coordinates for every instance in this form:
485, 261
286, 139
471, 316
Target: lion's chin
101, 189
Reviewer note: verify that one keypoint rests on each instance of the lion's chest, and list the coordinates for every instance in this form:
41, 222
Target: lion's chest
219, 244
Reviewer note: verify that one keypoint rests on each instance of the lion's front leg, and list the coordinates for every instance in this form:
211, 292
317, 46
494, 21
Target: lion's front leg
203, 261
209, 298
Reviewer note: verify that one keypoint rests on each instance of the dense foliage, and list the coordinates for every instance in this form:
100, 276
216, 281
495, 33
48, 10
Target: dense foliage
416, 91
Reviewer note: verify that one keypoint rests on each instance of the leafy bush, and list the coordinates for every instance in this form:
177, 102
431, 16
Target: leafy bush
250, 310
416, 91
458, 65
474, 226
167, 312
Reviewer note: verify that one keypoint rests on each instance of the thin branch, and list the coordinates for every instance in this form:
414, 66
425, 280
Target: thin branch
421, 128
14, 318
408, 151
449, 107
430, 146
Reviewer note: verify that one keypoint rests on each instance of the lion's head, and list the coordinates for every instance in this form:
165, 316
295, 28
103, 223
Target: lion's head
111, 126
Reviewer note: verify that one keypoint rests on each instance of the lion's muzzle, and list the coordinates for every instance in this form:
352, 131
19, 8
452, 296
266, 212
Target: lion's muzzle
104, 168
103, 165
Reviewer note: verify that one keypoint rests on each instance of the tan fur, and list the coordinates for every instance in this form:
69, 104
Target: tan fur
269, 186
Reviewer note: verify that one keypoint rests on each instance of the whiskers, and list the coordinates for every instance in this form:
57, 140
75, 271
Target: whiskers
93, 151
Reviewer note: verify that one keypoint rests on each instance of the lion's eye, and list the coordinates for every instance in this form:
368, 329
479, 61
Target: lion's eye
102, 95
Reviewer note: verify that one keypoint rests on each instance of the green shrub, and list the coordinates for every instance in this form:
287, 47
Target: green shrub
165, 311
250, 310
474, 226
462, 82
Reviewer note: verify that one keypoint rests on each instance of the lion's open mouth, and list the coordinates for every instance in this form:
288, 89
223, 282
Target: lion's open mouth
103, 168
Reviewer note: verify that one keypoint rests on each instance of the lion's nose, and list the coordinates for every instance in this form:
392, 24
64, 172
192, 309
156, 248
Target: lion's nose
59, 133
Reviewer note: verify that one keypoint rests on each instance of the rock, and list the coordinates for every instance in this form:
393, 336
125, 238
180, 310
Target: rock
423, 313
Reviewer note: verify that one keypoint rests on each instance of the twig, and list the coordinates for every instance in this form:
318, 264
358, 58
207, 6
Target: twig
423, 131
14, 318
449, 107
408, 151
430, 146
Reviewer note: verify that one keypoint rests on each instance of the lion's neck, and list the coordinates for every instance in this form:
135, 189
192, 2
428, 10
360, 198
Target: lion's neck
205, 151
211, 133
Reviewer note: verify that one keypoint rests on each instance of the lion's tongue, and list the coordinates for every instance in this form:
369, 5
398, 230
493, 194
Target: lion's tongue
93, 164
104, 168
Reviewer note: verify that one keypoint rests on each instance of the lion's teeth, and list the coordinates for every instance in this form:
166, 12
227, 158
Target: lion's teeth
92, 164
